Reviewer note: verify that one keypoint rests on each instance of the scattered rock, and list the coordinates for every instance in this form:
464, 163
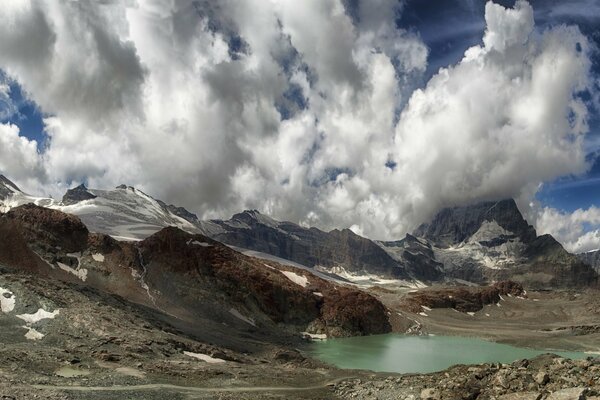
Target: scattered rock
542, 378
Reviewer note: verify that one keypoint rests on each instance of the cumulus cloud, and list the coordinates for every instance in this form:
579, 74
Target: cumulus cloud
19, 158
304, 110
578, 231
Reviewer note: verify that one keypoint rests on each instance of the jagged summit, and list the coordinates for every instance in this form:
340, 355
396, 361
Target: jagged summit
7, 187
77, 194
454, 225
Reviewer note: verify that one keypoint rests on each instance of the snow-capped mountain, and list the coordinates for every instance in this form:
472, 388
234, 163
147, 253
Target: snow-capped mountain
478, 243
124, 212
492, 241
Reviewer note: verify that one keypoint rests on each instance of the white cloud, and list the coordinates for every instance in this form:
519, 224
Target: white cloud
578, 231
19, 158
185, 99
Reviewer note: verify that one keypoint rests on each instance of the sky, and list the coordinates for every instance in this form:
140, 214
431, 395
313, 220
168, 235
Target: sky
368, 114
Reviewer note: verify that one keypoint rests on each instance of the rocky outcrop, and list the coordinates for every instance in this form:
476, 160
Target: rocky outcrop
48, 228
464, 299
254, 287
77, 194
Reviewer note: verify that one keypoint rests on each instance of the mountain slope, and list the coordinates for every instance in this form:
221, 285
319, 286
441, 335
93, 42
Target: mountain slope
189, 277
336, 251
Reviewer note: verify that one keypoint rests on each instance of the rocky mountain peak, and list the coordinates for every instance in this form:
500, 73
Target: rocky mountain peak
7, 187
77, 194
454, 225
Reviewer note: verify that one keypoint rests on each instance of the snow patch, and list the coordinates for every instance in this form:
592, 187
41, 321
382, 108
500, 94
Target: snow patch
238, 315
366, 279
471, 313
297, 279
39, 315
98, 257
318, 294
204, 357
314, 336
7, 300
81, 273
32, 334
426, 308
197, 243
423, 314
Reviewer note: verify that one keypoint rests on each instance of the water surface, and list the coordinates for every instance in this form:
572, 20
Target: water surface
420, 354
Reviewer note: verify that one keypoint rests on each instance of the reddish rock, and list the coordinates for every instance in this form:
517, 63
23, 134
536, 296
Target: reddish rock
465, 299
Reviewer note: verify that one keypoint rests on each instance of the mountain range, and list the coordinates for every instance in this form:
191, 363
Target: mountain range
478, 243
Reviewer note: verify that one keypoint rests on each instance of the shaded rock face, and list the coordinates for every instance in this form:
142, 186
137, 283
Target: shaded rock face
591, 258
255, 288
307, 246
461, 298
7, 188
75, 195
417, 257
454, 225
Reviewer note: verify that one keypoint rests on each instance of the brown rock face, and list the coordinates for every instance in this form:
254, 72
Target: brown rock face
50, 227
464, 299
259, 286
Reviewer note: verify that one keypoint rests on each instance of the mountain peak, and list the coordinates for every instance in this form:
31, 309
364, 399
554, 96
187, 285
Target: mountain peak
7, 187
456, 224
77, 194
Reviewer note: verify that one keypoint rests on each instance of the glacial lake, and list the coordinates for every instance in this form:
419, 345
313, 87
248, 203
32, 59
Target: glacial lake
419, 354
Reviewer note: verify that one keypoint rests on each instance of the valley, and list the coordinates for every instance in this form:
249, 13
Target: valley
114, 293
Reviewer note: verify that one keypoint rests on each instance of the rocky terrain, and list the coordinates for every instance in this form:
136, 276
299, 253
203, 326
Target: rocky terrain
114, 294
545, 377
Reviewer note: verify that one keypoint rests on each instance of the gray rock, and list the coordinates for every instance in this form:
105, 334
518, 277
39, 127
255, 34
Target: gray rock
521, 396
430, 394
542, 378
577, 393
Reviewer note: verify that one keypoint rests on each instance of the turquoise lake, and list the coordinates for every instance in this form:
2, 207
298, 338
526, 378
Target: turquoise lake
419, 354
